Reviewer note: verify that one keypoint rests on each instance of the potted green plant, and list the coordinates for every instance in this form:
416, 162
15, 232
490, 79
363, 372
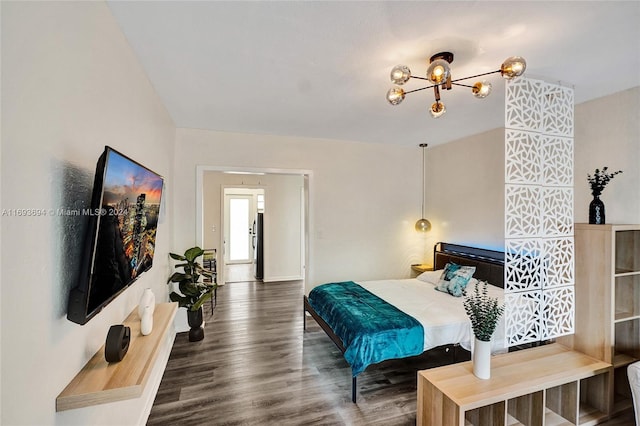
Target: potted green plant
484, 313
193, 292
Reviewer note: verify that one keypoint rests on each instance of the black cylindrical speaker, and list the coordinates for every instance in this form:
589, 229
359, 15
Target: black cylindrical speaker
117, 343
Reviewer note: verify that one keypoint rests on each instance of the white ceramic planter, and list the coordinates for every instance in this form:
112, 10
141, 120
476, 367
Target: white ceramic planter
482, 359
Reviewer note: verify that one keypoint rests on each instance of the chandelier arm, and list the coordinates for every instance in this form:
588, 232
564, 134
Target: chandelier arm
463, 85
474, 76
419, 78
417, 90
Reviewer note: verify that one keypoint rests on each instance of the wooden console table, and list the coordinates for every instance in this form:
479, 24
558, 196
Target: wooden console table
546, 385
100, 382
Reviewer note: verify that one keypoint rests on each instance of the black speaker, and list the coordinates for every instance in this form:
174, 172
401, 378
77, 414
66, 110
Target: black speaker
117, 343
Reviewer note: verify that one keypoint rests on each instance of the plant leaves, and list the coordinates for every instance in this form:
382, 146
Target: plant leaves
202, 299
483, 312
177, 256
182, 300
193, 293
177, 277
192, 253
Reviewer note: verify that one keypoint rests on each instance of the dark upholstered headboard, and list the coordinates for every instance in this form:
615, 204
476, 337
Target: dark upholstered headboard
489, 263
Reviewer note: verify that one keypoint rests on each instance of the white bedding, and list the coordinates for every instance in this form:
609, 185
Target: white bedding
442, 316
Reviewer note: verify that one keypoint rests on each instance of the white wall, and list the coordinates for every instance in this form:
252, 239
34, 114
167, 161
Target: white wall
283, 257
607, 133
465, 191
70, 85
364, 198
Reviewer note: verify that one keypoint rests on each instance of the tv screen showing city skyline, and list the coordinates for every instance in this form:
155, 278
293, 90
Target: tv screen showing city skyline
127, 224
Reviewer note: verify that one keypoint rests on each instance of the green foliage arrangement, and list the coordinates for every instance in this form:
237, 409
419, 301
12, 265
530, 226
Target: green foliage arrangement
483, 311
193, 293
599, 180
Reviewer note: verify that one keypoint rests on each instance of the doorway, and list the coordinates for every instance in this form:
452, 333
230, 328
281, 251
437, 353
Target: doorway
286, 219
242, 244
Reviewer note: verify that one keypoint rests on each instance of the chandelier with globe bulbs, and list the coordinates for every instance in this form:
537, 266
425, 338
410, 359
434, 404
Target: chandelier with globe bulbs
439, 74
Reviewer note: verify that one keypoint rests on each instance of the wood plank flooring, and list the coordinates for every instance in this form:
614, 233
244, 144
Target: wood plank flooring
256, 366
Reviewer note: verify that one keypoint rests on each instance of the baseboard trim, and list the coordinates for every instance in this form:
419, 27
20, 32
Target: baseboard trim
275, 279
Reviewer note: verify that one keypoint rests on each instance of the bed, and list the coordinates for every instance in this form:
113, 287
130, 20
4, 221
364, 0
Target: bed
373, 321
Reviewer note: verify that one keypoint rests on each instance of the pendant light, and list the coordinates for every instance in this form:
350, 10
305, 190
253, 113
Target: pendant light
423, 225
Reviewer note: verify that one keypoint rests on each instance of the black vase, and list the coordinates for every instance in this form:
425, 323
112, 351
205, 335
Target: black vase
596, 211
194, 318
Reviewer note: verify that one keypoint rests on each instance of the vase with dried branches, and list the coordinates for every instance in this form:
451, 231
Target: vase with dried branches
597, 181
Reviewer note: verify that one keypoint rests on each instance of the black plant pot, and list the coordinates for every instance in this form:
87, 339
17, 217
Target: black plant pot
596, 211
194, 318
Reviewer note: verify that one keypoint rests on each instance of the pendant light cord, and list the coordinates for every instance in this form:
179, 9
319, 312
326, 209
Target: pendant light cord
423, 145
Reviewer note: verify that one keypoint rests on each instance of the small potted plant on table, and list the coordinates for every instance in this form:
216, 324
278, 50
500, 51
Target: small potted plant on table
193, 292
484, 313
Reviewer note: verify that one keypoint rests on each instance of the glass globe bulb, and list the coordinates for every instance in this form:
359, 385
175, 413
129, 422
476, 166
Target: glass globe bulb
423, 225
438, 71
481, 89
437, 109
400, 74
513, 67
395, 95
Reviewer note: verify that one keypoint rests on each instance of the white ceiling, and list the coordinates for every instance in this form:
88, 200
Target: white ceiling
321, 69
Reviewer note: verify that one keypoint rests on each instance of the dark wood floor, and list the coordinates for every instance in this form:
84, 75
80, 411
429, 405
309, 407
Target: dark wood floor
256, 366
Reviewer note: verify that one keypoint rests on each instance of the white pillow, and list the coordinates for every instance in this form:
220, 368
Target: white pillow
430, 276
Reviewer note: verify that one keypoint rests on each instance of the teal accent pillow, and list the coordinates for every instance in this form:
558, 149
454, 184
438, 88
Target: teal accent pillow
454, 279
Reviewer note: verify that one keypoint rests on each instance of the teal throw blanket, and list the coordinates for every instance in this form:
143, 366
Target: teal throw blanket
371, 329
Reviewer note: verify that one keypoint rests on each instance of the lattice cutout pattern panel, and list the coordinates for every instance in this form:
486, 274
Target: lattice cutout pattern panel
557, 312
558, 259
523, 106
523, 211
523, 317
539, 250
557, 107
522, 265
557, 161
557, 211
523, 159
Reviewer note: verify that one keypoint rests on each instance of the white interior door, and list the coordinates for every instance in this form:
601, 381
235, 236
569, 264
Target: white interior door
238, 224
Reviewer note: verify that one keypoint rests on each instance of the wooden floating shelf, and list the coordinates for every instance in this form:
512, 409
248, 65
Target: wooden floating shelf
100, 382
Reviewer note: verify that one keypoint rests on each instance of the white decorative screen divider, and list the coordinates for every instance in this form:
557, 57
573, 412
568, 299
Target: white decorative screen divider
539, 271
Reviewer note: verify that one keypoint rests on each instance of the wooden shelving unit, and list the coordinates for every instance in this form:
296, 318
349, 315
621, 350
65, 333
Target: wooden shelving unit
100, 382
607, 323
550, 385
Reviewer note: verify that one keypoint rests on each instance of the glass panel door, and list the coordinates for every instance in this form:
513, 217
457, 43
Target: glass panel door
240, 222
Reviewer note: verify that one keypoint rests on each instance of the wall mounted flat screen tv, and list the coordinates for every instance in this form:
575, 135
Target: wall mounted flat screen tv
121, 236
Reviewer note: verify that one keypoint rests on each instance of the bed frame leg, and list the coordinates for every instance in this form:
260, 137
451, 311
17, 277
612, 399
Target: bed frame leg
304, 316
353, 389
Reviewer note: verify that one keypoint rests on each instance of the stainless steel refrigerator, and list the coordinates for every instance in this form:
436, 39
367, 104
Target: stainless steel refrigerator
258, 246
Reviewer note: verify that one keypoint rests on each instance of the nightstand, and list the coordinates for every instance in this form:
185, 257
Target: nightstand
420, 268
